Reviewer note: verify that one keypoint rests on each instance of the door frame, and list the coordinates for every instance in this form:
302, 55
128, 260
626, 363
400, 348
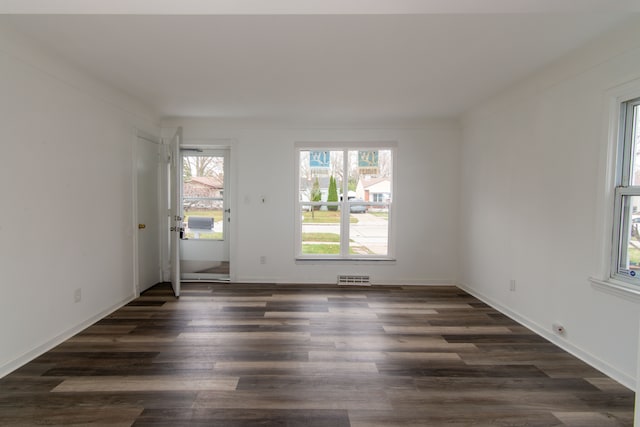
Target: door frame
229, 144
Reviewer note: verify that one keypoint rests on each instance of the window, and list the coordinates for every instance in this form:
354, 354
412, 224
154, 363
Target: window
345, 202
626, 242
380, 197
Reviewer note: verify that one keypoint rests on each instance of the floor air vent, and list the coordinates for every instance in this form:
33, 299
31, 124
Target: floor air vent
354, 280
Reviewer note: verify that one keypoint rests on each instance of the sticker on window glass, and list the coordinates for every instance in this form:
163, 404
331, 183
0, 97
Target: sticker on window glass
628, 272
368, 162
319, 159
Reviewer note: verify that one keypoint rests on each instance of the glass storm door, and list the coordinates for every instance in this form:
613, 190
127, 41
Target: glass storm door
204, 247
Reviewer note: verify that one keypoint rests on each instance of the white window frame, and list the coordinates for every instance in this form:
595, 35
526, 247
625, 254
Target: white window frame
624, 190
345, 204
604, 277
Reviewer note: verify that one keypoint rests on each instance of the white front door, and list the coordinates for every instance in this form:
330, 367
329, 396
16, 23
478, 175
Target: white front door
204, 250
148, 216
175, 209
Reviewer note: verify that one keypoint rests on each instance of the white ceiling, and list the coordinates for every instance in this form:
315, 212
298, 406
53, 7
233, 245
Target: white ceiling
315, 67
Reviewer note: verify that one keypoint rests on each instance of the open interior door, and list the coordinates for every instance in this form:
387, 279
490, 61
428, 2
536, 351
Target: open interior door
175, 211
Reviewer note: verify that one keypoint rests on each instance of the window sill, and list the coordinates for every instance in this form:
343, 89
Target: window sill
337, 261
617, 288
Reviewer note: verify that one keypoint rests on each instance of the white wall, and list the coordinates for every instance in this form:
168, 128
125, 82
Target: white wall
531, 200
637, 411
66, 221
263, 159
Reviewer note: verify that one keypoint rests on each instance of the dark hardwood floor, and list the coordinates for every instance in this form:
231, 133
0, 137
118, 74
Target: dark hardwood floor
235, 355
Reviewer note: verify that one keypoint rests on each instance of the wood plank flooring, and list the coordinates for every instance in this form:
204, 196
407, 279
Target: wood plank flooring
245, 355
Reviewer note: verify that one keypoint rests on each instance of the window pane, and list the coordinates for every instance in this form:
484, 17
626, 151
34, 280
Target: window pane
370, 175
629, 262
635, 147
320, 230
368, 229
321, 175
203, 197
369, 201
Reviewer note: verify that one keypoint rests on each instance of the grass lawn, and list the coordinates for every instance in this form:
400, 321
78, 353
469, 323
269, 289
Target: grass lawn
207, 236
321, 248
328, 249
320, 237
325, 217
634, 256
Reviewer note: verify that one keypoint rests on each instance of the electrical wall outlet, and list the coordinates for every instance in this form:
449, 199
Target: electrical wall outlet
263, 259
512, 285
77, 295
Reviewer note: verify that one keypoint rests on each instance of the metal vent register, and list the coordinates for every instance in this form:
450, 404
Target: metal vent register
354, 280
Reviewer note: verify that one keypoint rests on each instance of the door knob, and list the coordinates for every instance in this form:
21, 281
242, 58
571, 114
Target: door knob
141, 226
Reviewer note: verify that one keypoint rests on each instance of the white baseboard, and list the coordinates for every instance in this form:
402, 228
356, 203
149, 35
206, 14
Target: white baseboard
595, 362
288, 281
428, 282
59, 339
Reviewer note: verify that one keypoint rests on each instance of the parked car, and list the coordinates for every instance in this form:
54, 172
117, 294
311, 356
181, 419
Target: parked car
357, 207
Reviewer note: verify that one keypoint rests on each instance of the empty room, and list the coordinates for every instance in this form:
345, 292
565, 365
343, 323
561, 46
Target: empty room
320, 213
